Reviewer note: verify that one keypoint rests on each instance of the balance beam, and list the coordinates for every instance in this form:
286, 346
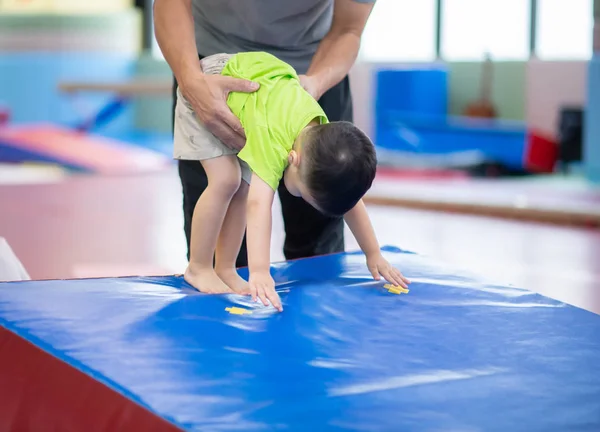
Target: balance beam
124, 91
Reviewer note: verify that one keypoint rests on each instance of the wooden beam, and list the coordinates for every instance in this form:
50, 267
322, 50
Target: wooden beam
129, 88
564, 218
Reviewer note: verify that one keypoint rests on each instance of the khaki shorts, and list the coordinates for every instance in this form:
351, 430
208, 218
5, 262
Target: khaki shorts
192, 141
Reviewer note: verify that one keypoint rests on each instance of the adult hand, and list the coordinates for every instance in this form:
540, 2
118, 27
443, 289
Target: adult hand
309, 83
208, 96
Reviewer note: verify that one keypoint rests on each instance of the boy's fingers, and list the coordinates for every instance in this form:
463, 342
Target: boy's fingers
404, 278
390, 277
263, 297
258, 293
399, 280
275, 300
401, 277
375, 273
394, 278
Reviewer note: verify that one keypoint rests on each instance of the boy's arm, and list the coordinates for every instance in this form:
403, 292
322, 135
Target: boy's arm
258, 239
360, 225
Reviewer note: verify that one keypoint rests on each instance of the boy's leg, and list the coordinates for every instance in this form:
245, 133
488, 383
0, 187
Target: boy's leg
232, 235
207, 222
193, 182
230, 241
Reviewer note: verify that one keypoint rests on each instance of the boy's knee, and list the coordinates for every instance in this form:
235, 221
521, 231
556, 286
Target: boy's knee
244, 188
227, 182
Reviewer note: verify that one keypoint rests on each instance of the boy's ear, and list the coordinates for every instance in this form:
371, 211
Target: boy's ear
294, 158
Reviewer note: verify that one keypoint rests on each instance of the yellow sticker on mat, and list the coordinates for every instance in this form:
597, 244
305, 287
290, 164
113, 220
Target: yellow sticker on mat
238, 311
395, 289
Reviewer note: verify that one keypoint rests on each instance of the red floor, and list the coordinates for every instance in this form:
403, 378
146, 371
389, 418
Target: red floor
110, 226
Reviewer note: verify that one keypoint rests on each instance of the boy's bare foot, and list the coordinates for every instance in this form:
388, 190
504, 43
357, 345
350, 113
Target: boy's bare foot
234, 281
206, 281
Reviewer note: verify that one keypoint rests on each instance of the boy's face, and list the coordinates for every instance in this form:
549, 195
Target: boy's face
295, 186
292, 176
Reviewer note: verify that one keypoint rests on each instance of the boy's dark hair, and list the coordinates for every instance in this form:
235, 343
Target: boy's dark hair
340, 166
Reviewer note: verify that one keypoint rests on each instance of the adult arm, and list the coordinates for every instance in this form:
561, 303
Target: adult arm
174, 29
359, 223
258, 238
338, 50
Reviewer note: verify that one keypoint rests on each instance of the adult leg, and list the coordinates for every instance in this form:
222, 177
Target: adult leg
207, 223
193, 182
308, 232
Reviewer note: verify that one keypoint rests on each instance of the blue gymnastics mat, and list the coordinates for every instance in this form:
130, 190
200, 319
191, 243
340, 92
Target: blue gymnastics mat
454, 354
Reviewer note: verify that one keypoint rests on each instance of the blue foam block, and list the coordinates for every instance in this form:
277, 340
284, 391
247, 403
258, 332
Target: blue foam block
424, 135
452, 354
591, 149
416, 90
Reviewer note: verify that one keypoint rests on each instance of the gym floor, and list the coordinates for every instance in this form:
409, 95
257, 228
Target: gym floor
122, 225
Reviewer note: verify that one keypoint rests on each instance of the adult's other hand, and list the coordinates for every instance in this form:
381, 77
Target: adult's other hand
208, 96
310, 84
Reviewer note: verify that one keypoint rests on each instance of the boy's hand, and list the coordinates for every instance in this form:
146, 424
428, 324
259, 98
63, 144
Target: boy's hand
263, 286
378, 266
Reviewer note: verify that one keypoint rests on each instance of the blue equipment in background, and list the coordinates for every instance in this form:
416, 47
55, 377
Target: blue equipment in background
412, 126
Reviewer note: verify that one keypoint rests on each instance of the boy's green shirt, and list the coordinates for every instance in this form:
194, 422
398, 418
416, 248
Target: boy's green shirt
273, 116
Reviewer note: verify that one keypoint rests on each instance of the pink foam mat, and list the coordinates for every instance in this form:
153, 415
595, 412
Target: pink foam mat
89, 152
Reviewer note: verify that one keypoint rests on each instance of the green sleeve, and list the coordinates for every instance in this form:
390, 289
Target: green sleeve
266, 159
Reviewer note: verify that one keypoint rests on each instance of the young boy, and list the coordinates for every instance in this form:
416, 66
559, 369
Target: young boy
329, 165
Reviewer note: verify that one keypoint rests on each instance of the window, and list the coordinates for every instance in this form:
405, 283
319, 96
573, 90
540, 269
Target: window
472, 28
564, 29
400, 30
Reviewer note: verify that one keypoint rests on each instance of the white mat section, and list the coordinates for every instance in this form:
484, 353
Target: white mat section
11, 268
18, 174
